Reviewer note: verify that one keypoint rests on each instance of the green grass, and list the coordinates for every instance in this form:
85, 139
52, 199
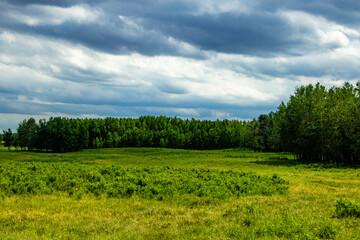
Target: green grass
308, 211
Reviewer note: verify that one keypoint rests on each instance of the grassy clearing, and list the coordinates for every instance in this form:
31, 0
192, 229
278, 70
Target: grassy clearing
308, 211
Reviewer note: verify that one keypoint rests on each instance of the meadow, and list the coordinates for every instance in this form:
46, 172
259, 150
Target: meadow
236, 194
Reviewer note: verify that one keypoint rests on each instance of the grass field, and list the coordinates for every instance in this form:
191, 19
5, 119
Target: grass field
306, 211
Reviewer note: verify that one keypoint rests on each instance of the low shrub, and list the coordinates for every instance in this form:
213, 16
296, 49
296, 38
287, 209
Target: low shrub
328, 229
116, 181
347, 209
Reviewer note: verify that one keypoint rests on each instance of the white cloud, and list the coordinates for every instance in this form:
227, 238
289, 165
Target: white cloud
47, 65
333, 38
130, 23
23, 79
226, 6
7, 37
183, 112
217, 114
318, 31
37, 15
184, 48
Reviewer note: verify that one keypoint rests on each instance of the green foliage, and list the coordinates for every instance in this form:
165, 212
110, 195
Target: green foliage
318, 125
347, 209
115, 181
64, 135
8, 138
321, 125
328, 230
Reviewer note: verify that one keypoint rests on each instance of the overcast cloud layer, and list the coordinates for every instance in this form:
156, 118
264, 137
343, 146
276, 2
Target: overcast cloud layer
204, 59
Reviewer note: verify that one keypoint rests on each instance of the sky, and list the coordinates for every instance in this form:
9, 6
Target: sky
203, 59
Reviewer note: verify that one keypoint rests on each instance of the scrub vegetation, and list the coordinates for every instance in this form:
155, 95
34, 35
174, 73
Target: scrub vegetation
148, 182
70, 195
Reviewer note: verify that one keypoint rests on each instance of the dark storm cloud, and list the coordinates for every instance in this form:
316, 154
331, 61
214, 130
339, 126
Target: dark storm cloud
261, 31
258, 35
344, 11
109, 33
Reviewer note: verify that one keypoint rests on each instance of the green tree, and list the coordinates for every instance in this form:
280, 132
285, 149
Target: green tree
8, 138
109, 141
320, 125
98, 142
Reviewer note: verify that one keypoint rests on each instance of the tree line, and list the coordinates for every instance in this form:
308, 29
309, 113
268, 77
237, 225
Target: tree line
316, 124
64, 134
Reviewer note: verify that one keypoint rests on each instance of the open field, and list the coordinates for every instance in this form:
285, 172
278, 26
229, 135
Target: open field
306, 211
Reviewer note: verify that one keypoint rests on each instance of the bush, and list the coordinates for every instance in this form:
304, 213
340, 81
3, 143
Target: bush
347, 209
328, 230
115, 181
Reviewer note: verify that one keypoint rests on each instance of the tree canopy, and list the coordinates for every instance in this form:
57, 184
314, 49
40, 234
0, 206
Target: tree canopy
63, 134
321, 125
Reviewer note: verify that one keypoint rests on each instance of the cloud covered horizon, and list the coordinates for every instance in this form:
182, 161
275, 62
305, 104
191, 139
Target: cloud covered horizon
205, 59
